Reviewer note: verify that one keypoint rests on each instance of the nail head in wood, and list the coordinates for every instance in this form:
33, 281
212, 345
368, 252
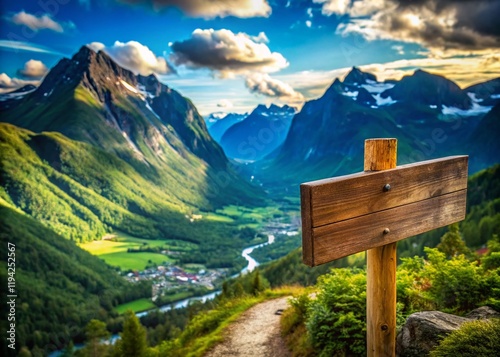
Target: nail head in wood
387, 187
387, 231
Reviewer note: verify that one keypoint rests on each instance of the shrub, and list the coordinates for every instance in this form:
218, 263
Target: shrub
479, 338
337, 318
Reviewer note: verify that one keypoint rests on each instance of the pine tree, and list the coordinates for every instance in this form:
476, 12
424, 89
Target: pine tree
452, 243
133, 338
95, 331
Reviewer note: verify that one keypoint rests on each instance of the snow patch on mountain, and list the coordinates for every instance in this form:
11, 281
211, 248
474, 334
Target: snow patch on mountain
384, 101
129, 87
376, 87
353, 95
475, 110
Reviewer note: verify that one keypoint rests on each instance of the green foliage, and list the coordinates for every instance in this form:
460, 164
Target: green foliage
337, 317
95, 332
60, 287
455, 285
452, 243
473, 339
133, 342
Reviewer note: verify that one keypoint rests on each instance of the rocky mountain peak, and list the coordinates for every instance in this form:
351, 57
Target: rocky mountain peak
358, 76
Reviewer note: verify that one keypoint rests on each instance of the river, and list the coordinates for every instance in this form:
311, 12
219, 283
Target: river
251, 265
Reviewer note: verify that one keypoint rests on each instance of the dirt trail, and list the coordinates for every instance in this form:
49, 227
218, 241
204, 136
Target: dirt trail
255, 334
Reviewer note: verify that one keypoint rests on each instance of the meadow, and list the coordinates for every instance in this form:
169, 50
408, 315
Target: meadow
114, 251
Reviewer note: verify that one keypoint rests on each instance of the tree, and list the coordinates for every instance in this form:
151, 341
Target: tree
452, 243
95, 331
133, 341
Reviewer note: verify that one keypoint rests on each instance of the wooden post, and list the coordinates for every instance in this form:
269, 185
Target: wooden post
380, 154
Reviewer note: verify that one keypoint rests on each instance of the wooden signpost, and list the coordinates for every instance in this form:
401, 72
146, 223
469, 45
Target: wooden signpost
372, 210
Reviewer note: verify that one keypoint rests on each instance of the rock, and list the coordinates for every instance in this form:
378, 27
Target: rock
483, 312
423, 331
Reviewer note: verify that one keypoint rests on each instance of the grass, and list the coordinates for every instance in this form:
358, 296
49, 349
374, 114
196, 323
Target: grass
134, 261
208, 329
136, 306
114, 252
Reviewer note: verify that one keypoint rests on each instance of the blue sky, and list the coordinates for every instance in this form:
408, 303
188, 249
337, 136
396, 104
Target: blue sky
228, 55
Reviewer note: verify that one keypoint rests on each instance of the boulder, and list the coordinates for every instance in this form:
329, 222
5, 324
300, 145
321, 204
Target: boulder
423, 331
483, 312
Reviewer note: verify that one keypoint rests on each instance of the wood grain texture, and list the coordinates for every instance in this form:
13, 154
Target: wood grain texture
347, 237
305, 209
381, 154
355, 195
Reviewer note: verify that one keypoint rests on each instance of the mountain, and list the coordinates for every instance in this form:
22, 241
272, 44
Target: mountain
59, 286
258, 134
223, 121
96, 148
487, 93
428, 114
424, 88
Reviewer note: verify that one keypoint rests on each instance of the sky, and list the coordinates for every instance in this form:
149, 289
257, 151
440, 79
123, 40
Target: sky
231, 55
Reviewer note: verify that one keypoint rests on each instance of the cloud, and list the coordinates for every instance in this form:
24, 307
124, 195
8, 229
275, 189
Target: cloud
462, 70
213, 8
308, 23
224, 103
8, 84
37, 23
28, 47
226, 52
135, 57
443, 26
33, 69
262, 83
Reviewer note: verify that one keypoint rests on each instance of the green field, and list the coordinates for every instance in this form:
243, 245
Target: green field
114, 251
136, 306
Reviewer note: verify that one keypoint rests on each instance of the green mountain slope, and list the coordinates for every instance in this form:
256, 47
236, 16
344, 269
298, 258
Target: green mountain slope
105, 149
59, 287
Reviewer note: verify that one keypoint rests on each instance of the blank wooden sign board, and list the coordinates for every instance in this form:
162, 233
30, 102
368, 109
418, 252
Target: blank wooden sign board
371, 211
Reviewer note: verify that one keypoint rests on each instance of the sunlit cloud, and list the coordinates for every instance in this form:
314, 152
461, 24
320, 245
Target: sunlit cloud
134, 56
263, 84
443, 26
33, 69
224, 103
211, 9
8, 84
28, 47
37, 23
226, 53
463, 71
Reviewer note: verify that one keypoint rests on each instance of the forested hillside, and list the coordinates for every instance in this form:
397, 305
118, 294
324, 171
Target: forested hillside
59, 286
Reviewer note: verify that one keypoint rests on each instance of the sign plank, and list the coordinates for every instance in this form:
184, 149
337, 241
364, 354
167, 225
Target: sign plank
348, 214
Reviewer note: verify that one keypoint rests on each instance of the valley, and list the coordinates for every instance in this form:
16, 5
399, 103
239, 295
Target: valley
121, 198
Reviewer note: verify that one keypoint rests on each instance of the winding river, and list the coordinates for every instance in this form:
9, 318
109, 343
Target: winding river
251, 265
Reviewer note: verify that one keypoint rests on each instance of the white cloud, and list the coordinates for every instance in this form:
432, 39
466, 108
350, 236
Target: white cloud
96, 46
28, 47
34, 69
262, 83
224, 103
463, 71
227, 53
213, 8
37, 23
134, 56
339, 7
308, 23
8, 84
443, 26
